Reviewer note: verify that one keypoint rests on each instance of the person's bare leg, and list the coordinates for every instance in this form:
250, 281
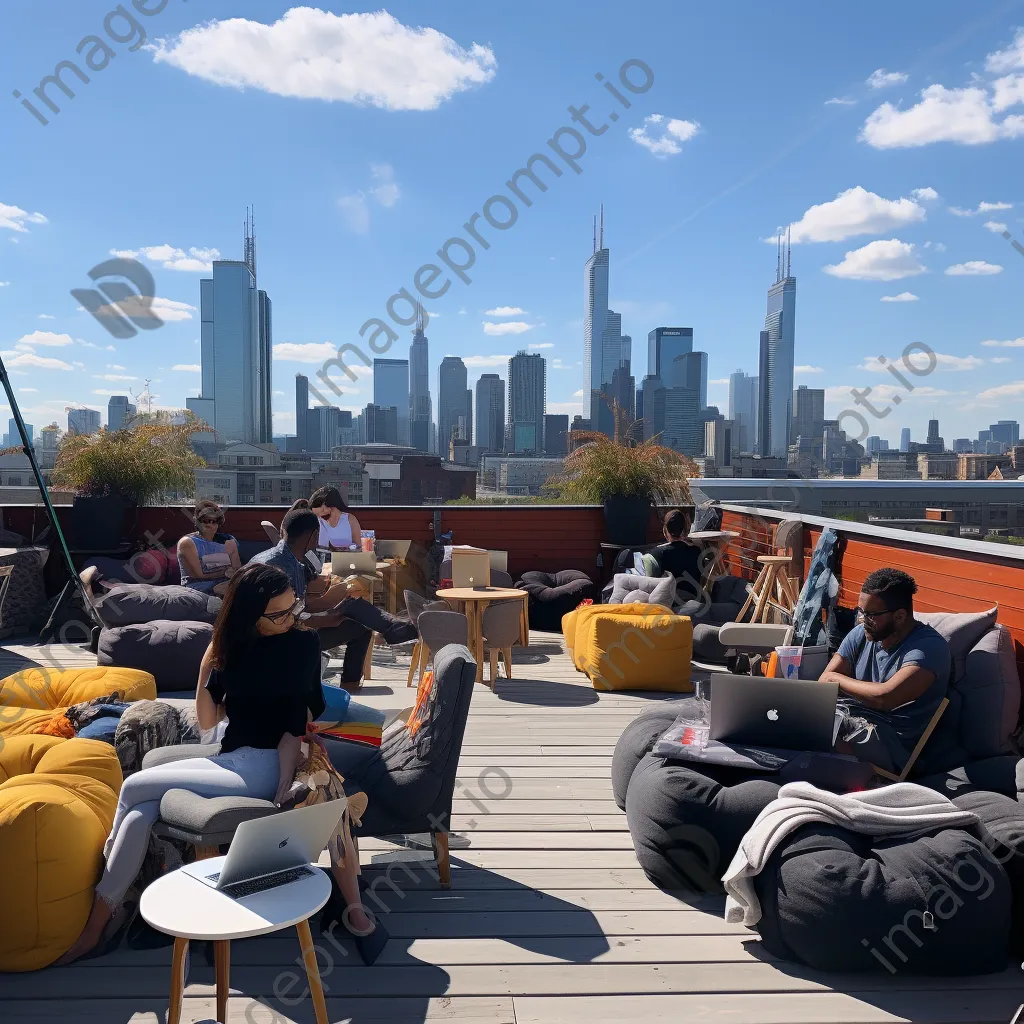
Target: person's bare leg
91, 933
356, 918
221, 589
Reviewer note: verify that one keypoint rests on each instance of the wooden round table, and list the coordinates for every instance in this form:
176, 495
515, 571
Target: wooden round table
474, 600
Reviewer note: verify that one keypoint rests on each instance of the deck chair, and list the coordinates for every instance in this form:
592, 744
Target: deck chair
916, 752
273, 533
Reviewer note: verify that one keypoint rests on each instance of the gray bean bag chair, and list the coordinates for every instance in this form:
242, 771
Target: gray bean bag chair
686, 821
171, 651
628, 587
936, 904
130, 603
554, 594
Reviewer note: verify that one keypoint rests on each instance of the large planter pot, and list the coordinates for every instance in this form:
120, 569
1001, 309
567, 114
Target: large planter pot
625, 520
97, 524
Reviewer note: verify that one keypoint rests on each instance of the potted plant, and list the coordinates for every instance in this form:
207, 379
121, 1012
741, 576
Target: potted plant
626, 476
114, 470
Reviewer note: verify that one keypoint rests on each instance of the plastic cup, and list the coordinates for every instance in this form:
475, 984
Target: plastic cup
789, 661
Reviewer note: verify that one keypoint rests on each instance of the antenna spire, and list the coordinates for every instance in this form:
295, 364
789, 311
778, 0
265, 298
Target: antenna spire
595, 233
602, 227
250, 240
789, 249
778, 254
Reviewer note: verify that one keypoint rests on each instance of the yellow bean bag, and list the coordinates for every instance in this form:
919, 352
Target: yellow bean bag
631, 647
57, 803
35, 696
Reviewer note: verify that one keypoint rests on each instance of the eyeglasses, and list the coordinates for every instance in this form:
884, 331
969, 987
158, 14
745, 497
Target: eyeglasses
293, 611
863, 616
211, 520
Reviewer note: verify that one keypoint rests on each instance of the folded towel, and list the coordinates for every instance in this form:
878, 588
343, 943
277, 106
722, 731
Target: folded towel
902, 809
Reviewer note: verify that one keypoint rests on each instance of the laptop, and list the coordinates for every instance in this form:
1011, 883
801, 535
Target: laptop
344, 563
471, 568
790, 714
269, 852
393, 548
499, 560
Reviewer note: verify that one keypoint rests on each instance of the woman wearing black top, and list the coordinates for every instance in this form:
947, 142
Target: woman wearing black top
679, 556
263, 675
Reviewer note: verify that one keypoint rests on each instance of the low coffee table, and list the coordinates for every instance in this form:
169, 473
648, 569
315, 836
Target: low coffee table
180, 905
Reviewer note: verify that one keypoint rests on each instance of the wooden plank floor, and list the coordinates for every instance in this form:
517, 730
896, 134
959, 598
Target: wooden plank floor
549, 919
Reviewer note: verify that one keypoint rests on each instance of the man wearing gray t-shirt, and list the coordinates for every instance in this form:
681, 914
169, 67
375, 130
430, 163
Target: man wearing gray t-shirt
892, 671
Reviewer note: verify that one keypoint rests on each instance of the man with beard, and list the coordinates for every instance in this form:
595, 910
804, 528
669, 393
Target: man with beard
892, 671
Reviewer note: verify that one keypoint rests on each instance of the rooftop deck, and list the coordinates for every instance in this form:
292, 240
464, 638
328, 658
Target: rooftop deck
549, 919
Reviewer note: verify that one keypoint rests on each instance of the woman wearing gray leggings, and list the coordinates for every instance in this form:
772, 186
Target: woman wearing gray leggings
262, 675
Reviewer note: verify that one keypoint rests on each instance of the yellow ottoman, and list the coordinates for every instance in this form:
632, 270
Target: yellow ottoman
634, 647
574, 624
57, 803
31, 698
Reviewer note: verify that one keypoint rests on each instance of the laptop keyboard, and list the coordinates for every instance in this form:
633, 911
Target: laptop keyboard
238, 890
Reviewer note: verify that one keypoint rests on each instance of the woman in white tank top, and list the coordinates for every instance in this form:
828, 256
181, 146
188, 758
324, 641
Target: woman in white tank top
339, 529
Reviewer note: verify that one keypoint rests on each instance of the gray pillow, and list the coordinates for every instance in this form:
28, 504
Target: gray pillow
628, 588
171, 651
129, 603
991, 696
961, 630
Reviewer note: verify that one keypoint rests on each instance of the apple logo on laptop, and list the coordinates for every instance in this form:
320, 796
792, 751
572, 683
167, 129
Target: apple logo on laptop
773, 715
281, 845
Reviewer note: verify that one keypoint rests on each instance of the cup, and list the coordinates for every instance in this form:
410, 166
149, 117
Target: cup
789, 661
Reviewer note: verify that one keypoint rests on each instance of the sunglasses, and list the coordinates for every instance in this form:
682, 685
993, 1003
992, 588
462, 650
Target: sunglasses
211, 520
291, 612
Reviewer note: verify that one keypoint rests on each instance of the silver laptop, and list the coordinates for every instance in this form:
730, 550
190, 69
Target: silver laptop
344, 563
269, 852
393, 548
499, 560
791, 714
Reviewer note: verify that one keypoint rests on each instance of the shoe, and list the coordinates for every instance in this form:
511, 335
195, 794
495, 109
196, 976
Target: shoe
400, 633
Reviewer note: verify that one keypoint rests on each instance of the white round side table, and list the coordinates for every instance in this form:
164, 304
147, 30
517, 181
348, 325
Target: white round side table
180, 905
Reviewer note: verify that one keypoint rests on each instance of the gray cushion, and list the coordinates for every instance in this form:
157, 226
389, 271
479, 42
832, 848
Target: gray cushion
211, 817
628, 587
129, 603
171, 651
991, 696
179, 752
962, 630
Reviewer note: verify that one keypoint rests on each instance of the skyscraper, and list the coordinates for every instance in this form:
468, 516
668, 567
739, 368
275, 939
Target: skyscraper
391, 388
83, 421
776, 385
490, 413
301, 410
322, 425
664, 344
763, 408
743, 410
381, 424
12, 439
684, 427
236, 338
905, 439
119, 412
556, 426
454, 413
689, 370
420, 411
527, 402
808, 413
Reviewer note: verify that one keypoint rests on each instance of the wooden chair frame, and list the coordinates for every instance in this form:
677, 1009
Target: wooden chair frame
916, 752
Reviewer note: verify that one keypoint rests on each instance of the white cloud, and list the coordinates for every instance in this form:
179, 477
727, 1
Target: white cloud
356, 212
36, 390
578, 394
937, 246
882, 79
114, 376
805, 369
569, 409
1000, 359
926, 195
169, 310
365, 59
724, 380
310, 352
5, 284
1010, 58
1007, 92
1003, 391
995, 226
902, 297
486, 360
385, 189
39, 362
855, 212
114, 366
192, 368
46, 316
942, 115
1015, 343
839, 101
90, 344
888, 260
993, 207
503, 311
199, 260
14, 218
973, 268
47, 338
543, 344
662, 136
942, 360
509, 327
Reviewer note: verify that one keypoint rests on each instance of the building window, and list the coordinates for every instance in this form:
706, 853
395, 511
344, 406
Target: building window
286, 485
266, 485
14, 481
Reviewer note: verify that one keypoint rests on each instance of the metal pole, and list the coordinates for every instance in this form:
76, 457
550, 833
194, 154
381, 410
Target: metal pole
51, 511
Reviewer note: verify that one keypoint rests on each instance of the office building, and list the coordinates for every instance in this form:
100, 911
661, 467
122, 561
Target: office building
454, 403
905, 439
875, 444
391, 389
719, 443
48, 438
380, 424
689, 370
83, 421
420, 410
12, 439
743, 410
1005, 433
808, 413
664, 345
778, 339
120, 412
490, 413
527, 402
236, 338
622, 396
683, 429
323, 423
556, 429
301, 411
934, 441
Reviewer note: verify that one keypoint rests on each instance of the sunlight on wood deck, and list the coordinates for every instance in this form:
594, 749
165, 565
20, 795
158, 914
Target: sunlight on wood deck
549, 919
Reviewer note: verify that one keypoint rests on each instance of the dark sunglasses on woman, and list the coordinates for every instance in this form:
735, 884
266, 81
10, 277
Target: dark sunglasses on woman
295, 610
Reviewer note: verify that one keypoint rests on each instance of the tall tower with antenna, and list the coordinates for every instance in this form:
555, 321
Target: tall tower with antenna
778, 340
249, 243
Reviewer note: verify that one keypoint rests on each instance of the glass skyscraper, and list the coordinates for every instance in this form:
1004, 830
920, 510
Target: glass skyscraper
664, 344
743, 409
776, 384
527, 401
420, 411
490, 412
391, 389
454, 404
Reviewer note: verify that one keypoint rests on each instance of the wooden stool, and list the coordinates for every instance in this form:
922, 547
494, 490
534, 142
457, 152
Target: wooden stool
773, 588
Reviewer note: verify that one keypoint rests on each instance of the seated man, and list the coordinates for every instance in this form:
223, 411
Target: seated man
337, 617
892, 672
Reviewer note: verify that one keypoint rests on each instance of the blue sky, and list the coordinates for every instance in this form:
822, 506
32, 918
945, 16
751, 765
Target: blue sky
361, 163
